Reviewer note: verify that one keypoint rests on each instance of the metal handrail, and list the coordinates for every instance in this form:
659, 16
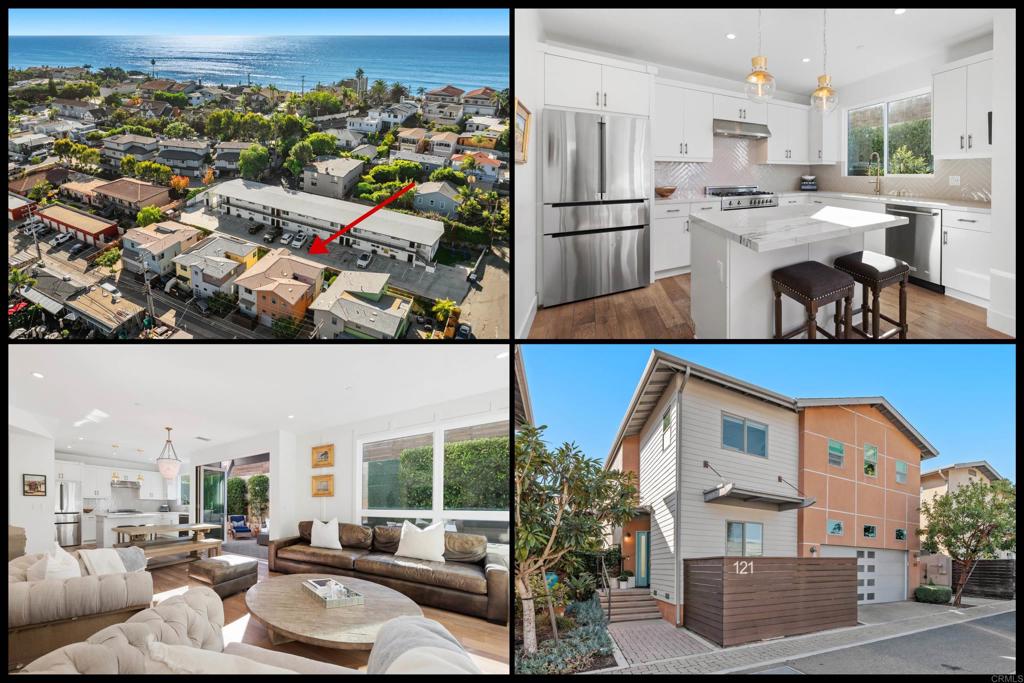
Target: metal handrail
607, 586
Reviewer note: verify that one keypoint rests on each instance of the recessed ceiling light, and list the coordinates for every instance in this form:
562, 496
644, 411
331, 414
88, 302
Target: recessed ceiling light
898, 11
37, 375
290, 417
805, 60
81, 438
503, 354
730, 36
69, 445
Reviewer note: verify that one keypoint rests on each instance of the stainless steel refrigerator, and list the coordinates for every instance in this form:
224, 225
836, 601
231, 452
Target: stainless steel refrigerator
68, 513
596, 186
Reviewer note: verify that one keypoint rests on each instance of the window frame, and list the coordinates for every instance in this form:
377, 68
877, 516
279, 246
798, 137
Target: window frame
842, 455
828, 527
744, 421
896, 534
743, 549
874, 462
874, 533
906, 471
884, 101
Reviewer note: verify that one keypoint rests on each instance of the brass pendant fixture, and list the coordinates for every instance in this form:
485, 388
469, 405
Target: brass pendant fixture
759, 84
824, 98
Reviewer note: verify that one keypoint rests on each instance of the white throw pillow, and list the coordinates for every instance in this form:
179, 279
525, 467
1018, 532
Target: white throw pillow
184, 659
422, 544
325, 534
59, 564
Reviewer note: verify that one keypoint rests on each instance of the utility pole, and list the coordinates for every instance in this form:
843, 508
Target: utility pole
149, 298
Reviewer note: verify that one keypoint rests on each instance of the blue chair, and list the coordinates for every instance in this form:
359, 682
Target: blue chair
238, 527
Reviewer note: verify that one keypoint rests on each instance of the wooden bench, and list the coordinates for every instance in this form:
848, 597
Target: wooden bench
158, 549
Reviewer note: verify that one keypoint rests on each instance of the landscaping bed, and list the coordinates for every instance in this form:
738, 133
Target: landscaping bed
584, 643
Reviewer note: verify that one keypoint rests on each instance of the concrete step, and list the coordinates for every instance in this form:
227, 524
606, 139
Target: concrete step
635, 615
631, 602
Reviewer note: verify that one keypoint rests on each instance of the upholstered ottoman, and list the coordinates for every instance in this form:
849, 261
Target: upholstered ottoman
226, 574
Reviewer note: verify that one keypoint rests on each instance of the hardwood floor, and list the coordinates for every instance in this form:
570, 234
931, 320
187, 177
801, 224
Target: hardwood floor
662, 311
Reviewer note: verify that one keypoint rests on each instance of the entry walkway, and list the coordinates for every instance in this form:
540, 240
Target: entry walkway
895, 622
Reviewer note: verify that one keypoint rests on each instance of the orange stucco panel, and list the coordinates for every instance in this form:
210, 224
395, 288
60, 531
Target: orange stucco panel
815, 486
848, 520
871, 500
814, 528
890, 535
631, 454
834, 421
896, 506
841, 494
814, 453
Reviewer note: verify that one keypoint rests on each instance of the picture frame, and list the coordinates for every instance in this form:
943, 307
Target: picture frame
521, 123
33, 484
323, 486
322, 456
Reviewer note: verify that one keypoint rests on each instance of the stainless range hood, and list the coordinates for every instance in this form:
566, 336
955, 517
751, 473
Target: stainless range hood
125, 484
741, 129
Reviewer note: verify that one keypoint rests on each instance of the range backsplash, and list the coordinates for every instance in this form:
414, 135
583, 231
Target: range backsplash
975, 181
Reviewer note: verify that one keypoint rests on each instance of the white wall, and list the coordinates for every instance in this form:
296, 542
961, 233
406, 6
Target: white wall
31, 453
1002, 311
529, 83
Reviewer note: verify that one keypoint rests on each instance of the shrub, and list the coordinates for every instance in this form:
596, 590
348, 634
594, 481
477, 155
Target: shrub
236, 496
109, 257
939, 595
582, 586
576, 649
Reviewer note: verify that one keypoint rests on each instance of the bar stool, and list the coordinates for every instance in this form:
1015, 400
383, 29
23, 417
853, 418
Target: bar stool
876, 272
814, 285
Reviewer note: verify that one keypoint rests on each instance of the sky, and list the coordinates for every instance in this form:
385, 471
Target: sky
258, 22
960, 397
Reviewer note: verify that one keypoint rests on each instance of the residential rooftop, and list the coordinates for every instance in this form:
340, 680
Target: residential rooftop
278, 272
976, 464
335, 166
209, 254
449, 90
129, 138
485, 91
130, 190
16, 201
157, 237
341, 299
442, 187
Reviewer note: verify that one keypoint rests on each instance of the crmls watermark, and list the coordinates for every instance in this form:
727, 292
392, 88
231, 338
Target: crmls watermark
1007, 678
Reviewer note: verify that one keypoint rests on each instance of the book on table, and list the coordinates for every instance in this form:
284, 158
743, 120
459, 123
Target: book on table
332, 593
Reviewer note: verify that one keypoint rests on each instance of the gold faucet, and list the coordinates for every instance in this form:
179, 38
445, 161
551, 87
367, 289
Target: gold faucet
878, 178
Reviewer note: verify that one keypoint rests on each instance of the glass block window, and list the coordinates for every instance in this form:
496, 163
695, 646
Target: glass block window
869, 531
901, 534
835, 527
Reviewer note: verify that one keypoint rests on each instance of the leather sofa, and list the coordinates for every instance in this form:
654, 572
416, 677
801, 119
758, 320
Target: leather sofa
470, 580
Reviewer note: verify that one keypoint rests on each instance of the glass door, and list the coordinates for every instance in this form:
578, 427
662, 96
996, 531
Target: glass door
212, 498
643, 559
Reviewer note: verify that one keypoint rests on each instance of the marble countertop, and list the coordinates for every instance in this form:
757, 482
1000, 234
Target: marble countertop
133, 514
956, 204
780, 227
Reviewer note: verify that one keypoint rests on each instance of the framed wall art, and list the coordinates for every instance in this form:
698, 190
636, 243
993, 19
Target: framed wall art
323, 456
323, 485
33, 484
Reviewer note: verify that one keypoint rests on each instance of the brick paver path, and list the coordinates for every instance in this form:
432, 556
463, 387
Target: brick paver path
653, 640
744, 656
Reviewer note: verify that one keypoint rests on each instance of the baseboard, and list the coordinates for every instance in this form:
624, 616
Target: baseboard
671, 272
1004, 296
524, 331
969, 298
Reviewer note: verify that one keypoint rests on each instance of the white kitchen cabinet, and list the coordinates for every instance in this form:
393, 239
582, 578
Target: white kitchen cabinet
670, 240
824, 137
95, 482
740, 109
789, 136
798, 135
682, 124
88, 527
792, 201
961, 105
582, 84
69, 471
965, 261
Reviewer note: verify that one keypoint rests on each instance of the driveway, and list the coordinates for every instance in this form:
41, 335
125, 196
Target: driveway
486, 305
983, 646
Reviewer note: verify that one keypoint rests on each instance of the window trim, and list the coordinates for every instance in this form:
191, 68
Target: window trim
906, 471
875, 475
844, 125
744, 524
828, 527
864, 530
744, 421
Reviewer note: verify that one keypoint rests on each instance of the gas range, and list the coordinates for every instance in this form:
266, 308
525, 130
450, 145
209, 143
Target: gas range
742, 196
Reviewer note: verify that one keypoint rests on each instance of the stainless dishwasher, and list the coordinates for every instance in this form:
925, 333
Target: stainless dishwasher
919, 243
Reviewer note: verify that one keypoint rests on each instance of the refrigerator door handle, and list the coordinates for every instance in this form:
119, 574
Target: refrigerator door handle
601, 190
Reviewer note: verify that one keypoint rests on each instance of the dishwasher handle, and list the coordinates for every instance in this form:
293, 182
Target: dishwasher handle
916, 213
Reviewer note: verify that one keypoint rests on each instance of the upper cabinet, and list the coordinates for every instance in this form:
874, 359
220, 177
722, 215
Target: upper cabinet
740, 109
582, 84
962, 111
69, 471
788, 143
682, 124
824, 137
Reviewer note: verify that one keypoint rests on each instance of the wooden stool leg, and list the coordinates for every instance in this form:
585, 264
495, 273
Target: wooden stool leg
778, 314
864, 309
812, 320
903, 308
875, 310
838, 315
848, 315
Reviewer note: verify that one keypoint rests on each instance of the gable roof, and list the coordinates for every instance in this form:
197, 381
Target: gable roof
278, 272
130, 190
883, 406
481, 158
449, 90
384, 315
73, 103
157, 84
157, 237
990, 471
441, 187
54, 176
209, 254
485, 91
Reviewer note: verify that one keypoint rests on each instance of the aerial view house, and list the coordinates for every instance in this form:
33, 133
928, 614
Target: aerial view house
150, 88
279, 285
213, 264
185, 157
65, 297
130, 195
727, 468
394, 114
368, 151
359, 304
947, 479
23, 146
86, 227
479, 122
151, 109
83, 190
347, 139
448, 94
18, 207
226, 160
116, 147
55, 175
437, 197
331, 176
430, 162
443, 144
486, 165
480, 101
59, 128
411, 139
364, 124
78, 109
151, 249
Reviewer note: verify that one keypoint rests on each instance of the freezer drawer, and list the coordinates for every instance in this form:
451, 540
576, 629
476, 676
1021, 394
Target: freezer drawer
560, 218
580, 265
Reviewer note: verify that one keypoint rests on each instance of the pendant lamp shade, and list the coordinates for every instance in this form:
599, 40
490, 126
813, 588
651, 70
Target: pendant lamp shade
759, 84
168, 462
824, 99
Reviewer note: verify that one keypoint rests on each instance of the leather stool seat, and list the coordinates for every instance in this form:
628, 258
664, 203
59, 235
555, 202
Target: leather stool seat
875, 272
814, 285
871, 266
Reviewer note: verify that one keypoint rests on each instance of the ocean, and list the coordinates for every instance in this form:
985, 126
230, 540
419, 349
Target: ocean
466, 62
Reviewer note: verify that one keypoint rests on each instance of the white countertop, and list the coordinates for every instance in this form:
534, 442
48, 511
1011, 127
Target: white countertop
133, 514
954, 204
779, 227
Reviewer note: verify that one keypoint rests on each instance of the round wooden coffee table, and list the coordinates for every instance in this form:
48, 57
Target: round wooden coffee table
290, 611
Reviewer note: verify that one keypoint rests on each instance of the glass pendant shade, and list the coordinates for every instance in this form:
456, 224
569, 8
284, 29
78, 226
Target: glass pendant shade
168, 462
759, 84
824, 99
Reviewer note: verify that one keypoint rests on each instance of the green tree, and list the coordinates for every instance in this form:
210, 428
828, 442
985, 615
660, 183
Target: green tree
502, 144
905, 161
128, 165
222, 303
63, 148
87, 156
253, 162
300, 155
108, 258
148, 215
359, 73
51, 87
175, 98
420, 91
969, 523
319, 103
259, 498
222, 124
77, 90
256, 127
236, 496
397, 92
285, 327
500, 100
288, 126
564, 503
378, 93
112, 100
454, 177
40, 191
323, 144
443, 308
179, 129
20, 106
19, 278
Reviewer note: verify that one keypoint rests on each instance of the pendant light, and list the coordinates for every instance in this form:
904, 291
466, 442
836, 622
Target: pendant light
168, 461
759, 84
824, 99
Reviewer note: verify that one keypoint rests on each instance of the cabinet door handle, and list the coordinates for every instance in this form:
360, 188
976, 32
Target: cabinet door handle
706, 208
687, 226
961, 142
597, 98
819, 153
967, 220
672, 210
606, 99
969, 141
680, 148
686, 148
945, 236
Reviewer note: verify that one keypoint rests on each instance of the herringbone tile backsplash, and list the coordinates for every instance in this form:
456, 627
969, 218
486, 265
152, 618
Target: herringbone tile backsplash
735, 164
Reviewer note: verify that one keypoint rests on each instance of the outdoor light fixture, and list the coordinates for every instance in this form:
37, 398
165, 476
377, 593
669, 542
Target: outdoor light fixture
813, 550
168, 462
759, 84
824, 98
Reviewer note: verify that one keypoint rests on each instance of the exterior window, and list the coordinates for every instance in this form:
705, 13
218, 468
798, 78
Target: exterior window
972, 473
860, 553
835, 453
899, 131
901, 534
871, 554
666, 425
744, 538
743, 435
871, 582
835, 527
869, 531
870, 460
871, 596
901, 472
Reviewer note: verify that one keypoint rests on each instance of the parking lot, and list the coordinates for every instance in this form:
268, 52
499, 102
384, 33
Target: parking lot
446, 282
486, 305
19, 242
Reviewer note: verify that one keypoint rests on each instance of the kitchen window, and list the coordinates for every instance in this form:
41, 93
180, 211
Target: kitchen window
745, 539
869, 531
746, 436
835, 527
901, 472
870, 460
835, 453
899, 130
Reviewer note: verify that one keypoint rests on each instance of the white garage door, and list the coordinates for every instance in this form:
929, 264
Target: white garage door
881, 574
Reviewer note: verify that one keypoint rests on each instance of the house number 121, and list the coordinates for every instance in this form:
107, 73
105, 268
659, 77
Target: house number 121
744, 567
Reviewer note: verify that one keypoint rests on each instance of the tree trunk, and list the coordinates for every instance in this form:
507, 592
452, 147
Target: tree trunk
551, 607
965, 573
529, 625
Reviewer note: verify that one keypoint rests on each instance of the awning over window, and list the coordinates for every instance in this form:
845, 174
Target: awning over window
732, 494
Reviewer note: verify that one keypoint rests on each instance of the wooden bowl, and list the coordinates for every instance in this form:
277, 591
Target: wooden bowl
665, 190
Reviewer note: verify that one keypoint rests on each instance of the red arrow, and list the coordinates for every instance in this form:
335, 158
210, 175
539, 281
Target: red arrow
319, 246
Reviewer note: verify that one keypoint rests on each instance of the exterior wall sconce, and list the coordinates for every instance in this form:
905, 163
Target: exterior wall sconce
812, 550
629, 535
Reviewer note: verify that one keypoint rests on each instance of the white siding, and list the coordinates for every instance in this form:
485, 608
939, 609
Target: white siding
703, 524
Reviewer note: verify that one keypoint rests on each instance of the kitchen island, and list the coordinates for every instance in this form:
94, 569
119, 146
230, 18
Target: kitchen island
106, 537
733, 254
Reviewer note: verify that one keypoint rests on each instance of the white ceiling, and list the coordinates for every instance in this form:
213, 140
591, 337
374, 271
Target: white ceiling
861, 42
227, 392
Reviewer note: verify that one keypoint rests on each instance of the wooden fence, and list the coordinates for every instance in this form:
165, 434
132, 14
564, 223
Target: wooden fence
990, 579
735, 600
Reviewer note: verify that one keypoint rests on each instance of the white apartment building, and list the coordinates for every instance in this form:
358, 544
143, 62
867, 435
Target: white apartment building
152, 249
331, 176
185, 157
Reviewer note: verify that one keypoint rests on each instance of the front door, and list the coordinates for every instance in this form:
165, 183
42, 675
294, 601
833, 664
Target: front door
643, 559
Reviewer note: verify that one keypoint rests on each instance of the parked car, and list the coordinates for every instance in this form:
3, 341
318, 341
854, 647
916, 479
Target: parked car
269, 237
77, 249
204, 308
299, 241
254, 228
364, 260
420, 319
286, 238
60, 239
428, 327
464, 331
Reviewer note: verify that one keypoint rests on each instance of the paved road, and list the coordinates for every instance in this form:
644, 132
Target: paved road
486, 305
982, 646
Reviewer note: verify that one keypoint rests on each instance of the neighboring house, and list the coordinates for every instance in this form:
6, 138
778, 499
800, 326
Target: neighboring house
185, 157
368, 151
78, 109
125, 88
331, 176
480, 101
184, 88
359, 304
28, 145
150, 88
442, 114
357, 84
130, 195
279, 285
437, 197
522, 407
411, 139
213, 264
55, 175
116, 147
487, 166
482, 139
60, 128
18, 207
449, 94
347, 139
152, 249
204, 95
395, 114
227, 153
86, 227
387, 233
477, 123
152, 109
364, 124
762, 474
443, 144
430, 162
84, 190
111, 316
946, 479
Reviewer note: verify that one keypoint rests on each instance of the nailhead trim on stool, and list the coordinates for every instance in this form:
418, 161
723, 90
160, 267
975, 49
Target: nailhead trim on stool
866, 276
843, 296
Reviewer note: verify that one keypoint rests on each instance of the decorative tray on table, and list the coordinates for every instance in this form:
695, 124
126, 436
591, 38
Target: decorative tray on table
333, 594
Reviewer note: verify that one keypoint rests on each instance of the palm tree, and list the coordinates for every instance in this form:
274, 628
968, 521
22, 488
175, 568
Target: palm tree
378, 92
152, 63
17, 278
500, 99
398, 91
442, 309
359, 73
420, 91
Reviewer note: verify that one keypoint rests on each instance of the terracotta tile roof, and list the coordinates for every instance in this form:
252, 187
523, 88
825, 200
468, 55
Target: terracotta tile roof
449, 90
157, 84
480, 157
480, 92
447, 136
85, 187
